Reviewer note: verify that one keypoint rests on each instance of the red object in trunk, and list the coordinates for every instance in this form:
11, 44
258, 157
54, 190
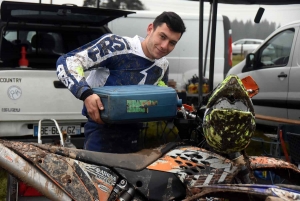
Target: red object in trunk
23, 62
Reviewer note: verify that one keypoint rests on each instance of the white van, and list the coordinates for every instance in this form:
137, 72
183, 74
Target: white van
275, 66
184, 58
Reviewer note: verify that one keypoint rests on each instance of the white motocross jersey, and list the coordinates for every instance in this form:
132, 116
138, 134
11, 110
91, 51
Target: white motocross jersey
112, 60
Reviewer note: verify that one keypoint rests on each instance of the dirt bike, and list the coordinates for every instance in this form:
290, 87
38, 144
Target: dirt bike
174, 171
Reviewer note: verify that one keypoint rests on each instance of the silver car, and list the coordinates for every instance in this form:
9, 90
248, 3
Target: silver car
245, 45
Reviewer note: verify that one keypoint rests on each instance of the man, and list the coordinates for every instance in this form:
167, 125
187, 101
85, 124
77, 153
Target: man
115, 60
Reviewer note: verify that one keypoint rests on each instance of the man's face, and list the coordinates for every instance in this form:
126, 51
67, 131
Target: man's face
160, 41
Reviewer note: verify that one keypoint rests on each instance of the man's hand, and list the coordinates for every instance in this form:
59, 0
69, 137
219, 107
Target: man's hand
93, 104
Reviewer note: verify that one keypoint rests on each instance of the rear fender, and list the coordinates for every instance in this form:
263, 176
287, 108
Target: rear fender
282, 168
245, 192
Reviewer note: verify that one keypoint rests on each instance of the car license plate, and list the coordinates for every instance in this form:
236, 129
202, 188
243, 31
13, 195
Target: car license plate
52, 130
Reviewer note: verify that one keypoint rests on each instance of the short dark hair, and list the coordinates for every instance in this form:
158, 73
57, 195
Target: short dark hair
173, 21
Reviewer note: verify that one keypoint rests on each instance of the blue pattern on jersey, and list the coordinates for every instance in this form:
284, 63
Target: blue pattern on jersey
126, 66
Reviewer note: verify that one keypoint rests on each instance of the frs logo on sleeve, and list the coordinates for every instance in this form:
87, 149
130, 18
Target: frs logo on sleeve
108, 45
61, 74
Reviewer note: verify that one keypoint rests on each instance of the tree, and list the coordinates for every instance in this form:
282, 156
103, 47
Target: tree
134, 5
116, 4
89, 3
248, 29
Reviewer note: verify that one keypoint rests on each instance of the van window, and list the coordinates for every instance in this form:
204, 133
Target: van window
42, 47
240, 42
249, 42
276, 51
37, 41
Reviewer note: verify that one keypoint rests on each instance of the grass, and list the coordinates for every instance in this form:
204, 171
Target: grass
3, 182
257, 148
237, 59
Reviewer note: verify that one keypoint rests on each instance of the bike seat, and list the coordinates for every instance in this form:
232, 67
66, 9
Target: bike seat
130, 161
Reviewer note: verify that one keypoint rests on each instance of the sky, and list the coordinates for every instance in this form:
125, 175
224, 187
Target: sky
278, 14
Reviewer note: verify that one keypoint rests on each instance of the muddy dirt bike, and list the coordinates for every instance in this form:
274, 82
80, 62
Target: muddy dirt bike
174, 171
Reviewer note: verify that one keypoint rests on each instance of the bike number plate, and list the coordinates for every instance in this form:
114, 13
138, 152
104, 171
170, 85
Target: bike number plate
52, 130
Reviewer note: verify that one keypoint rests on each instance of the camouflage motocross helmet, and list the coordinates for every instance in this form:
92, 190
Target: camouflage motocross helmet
229, 120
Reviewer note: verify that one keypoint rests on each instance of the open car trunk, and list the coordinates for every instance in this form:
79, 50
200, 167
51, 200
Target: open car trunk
32, 93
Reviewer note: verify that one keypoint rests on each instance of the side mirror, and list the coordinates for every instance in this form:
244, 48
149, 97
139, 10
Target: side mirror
250, 61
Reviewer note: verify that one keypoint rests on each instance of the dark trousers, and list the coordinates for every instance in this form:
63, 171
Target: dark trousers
111, 138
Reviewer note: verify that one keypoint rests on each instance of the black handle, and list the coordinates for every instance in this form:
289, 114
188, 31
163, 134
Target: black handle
282, 75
